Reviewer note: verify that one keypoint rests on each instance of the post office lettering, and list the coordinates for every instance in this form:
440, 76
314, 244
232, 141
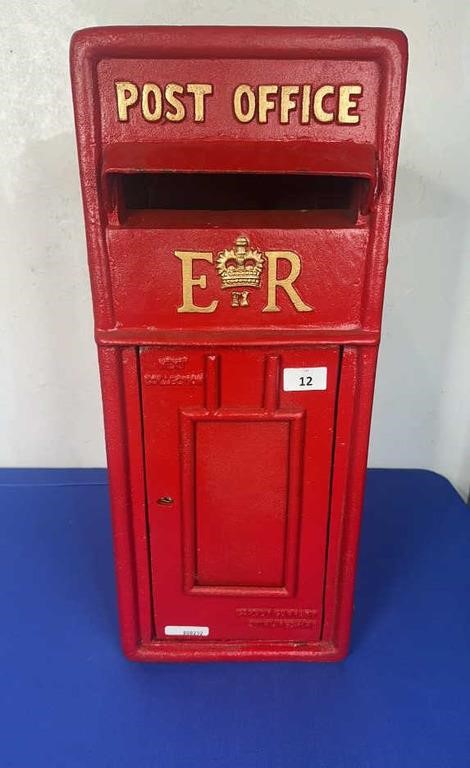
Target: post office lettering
301, 103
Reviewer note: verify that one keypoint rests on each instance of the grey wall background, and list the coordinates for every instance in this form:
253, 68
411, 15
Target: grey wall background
50, 407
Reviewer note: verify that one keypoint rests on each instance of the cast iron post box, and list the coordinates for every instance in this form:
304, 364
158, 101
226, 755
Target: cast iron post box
238, 187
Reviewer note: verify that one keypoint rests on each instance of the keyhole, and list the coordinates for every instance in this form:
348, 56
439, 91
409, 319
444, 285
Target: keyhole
165, 500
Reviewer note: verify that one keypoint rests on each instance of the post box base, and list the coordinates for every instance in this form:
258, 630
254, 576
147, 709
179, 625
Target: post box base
167, 651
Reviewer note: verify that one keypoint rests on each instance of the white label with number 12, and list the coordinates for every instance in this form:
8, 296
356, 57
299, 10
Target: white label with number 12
302, 379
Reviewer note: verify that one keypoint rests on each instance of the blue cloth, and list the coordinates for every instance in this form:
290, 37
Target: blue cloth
69, 698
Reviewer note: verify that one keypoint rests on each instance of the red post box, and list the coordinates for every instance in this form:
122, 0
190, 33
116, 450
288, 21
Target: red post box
238, 188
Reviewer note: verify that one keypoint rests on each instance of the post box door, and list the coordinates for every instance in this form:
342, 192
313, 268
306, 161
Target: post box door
238, 449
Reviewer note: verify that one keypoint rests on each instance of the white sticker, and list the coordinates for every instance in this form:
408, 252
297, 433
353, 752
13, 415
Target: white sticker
183, 631
302, 379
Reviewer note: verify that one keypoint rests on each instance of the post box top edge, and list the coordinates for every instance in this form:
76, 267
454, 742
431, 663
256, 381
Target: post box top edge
228, 41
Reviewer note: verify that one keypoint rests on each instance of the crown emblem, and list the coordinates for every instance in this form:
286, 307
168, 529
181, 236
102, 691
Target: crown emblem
240, 266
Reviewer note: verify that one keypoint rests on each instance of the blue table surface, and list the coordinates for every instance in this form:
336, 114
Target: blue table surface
69, 698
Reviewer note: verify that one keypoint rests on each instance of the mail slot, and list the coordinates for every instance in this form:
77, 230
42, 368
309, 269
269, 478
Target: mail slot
238, 188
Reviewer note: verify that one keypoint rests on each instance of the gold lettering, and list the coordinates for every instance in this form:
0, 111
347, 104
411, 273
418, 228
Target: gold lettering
286, 283
287, 102
244, 94
199, 91
189, 281
179, 110
326, 104
346, 103
265, 104
306, 96
126, 96
318, 109
151, 115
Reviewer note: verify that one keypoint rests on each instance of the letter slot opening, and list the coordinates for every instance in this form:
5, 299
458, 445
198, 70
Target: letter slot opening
218, 199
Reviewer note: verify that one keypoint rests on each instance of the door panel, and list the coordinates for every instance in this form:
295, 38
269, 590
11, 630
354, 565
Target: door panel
240, 485
241, 469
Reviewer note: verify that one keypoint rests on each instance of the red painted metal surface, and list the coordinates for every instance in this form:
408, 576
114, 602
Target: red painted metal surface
238, 187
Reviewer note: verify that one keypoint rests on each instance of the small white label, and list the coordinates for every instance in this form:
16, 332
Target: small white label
182, 631
302, 379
